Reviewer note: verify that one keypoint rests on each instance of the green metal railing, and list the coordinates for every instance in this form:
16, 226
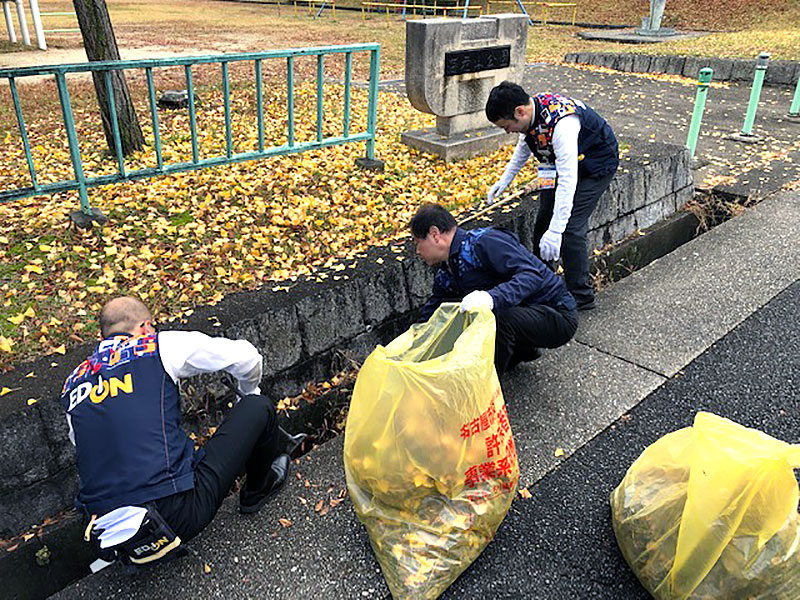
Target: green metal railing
762, 62
82, 183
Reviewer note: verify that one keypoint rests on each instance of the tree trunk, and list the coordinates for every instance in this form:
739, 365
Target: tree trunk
100, 44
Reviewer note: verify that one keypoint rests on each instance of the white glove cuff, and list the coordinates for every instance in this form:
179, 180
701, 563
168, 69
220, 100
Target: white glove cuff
557, 226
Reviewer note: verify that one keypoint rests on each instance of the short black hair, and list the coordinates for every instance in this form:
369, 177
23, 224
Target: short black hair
503, 99
431, 215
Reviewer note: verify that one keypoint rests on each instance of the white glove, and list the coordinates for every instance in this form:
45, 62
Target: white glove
475, 300
550, 245
497, 189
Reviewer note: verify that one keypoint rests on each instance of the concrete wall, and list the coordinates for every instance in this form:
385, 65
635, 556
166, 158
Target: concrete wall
779, 72
305, 334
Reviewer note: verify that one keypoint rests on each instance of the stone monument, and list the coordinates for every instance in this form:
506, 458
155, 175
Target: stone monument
451, 66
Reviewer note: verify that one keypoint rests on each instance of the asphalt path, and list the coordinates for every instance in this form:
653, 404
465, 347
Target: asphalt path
559, 544
650, 108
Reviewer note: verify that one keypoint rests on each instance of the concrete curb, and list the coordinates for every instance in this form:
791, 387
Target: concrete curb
779, 72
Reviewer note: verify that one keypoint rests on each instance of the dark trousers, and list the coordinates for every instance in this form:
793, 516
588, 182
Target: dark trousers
246, 441
574, 251
522, 330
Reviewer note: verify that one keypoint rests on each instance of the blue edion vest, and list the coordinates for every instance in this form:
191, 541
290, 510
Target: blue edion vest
598, 152
125, 414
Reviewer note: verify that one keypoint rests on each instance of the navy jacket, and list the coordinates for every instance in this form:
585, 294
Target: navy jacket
495, 261
124, 414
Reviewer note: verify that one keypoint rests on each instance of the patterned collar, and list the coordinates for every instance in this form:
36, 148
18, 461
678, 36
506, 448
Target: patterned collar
112, 340
547, 110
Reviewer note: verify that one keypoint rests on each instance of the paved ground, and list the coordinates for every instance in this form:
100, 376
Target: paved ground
641, 107
713, 326
560, 544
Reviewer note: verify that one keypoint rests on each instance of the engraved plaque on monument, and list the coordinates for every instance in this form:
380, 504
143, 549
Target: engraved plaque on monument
473, 61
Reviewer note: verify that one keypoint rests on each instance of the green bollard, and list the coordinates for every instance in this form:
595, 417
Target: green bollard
794, 110
699, 107
755, 93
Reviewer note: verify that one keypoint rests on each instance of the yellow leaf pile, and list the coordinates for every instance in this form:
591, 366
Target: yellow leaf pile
188, 239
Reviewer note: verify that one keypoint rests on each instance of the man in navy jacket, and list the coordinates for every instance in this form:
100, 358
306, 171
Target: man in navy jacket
572, 140
490, 267
123, 411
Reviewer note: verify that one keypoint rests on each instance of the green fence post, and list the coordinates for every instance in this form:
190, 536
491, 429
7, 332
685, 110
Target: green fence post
112, 110
320, 94
290, 100
192, 116
794, 110
348, 74
151, 93
260, 104
84, 216
226, 100
372, 111
755, 93
369, 161
23, 132
699, 107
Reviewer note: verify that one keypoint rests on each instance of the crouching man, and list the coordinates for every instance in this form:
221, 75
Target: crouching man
490, 267
143, 487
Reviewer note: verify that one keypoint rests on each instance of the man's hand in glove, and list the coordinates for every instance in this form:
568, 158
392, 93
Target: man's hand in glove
550, 246
475, 300
495, 191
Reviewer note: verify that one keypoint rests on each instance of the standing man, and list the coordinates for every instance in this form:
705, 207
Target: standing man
143, 486
567, 137
490, 267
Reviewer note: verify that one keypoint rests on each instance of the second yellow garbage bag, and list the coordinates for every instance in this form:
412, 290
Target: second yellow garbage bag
429, 458
710, 511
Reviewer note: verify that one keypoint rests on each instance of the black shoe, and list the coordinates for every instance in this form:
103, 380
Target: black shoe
291, 442
252, 501
590, 305
534, 354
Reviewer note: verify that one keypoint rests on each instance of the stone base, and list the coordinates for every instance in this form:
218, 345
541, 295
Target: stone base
661, 32
460, 146
745, 137
85, 220
792, 118
370, 164
631, 36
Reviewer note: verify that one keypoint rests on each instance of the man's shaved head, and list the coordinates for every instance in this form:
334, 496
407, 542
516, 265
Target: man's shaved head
123, 315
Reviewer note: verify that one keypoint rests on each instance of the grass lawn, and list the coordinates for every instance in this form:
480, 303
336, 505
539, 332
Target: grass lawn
740, 28
189, 239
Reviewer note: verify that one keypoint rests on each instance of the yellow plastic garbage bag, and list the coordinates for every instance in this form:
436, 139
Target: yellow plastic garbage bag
710, 511
429, 458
